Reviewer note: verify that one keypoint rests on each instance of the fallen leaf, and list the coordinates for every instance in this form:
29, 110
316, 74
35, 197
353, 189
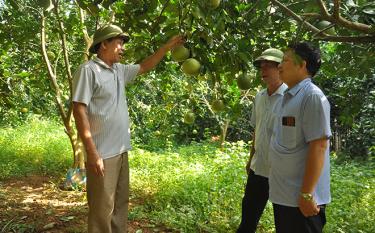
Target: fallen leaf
49, 226
66, 219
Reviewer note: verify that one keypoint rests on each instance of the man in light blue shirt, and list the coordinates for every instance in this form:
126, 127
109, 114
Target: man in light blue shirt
256, 191
299, 151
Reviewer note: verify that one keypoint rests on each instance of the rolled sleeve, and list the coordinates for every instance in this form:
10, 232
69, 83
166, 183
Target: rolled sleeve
316, 118
83, 85
130, 72
253, 114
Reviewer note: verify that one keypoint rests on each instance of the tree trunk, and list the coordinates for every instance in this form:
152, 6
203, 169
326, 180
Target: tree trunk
76, 175
223, 135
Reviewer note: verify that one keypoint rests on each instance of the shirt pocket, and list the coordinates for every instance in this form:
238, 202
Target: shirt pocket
288, 136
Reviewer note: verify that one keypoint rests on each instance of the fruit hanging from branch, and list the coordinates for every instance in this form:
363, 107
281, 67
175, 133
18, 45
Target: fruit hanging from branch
244, 82
180, 53
322, 25
213, 4
45, 4
189, 118
217, 105
191, 66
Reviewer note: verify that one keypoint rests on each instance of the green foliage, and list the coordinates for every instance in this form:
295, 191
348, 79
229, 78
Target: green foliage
353, 192
198, 188
195, 188
199, 184
159, 101
351, 92
36, 147
224, 40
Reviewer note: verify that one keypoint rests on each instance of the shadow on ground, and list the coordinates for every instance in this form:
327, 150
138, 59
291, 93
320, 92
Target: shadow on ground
36, 204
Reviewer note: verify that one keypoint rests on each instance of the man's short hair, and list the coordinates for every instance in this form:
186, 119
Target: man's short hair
308, 53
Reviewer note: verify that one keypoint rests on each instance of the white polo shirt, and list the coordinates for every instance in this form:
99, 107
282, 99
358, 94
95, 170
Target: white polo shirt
302, 116
262, 119
102, 89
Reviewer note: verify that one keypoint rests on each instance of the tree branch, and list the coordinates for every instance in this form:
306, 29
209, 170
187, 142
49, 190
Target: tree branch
66, 57
296, 17
86, 36
51, 73
323, 8
326, 16
336, 9
156, 21
339, 20
353, 25
353, 39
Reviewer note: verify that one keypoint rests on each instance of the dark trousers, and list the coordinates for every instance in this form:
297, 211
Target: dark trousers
253, 202
291, 220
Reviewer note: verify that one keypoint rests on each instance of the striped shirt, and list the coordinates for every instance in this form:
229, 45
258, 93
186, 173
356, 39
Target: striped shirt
102, 89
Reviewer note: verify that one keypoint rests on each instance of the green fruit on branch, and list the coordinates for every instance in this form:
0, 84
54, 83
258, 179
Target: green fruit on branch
189, 118
24, 110
191, 66
180, 53
45, 4
324, 24
244, 82
217, 105
51, 55
213, 4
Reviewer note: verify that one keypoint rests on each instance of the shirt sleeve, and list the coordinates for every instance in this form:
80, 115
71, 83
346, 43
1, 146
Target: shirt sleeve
130, 72
316, 118
253, 113
83, 85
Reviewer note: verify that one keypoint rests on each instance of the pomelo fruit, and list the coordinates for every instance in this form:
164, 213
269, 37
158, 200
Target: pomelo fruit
189, 118
217, 105
213, 4
244, 82
324, 24
180, 53
191, 66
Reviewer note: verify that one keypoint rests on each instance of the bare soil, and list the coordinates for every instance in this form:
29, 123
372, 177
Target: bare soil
37, 204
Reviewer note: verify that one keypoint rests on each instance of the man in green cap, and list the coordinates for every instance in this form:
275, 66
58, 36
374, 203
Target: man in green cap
101, 114
256, 191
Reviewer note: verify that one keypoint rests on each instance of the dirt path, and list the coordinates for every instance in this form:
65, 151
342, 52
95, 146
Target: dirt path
36, 204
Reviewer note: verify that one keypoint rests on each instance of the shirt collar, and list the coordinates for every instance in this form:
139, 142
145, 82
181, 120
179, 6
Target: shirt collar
279, 91
102, 63
294, 90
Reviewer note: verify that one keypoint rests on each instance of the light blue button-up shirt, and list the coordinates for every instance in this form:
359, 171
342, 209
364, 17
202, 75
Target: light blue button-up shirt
262, 119
301, 117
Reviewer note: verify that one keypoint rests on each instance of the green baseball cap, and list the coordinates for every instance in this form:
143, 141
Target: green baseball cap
107, 32
270, 54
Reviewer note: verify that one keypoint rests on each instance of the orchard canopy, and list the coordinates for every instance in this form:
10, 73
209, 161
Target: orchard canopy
44, 41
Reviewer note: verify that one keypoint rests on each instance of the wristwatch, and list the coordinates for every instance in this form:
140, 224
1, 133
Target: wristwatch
307, 196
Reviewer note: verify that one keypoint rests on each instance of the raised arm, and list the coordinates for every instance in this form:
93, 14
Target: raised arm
151, 61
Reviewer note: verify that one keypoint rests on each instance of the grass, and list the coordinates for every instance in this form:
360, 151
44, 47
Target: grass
38, 147
194, 188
